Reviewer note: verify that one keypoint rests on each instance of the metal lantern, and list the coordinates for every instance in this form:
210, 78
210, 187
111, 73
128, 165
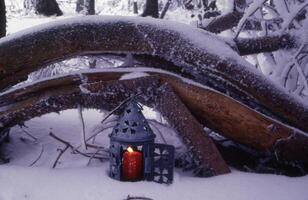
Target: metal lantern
134, 155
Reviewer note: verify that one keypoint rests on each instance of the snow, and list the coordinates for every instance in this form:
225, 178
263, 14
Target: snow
133, 75
72, 179
93, 184
289, 17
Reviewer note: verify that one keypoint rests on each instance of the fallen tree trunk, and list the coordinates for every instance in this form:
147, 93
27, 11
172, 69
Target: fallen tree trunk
215, 110
108, 95
193, 54
209, 160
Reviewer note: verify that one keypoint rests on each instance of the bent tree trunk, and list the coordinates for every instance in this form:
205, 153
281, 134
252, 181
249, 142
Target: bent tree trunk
2, 19
193, 56
215, 110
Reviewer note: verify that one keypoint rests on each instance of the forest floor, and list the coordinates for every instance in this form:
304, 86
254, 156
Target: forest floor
74, 179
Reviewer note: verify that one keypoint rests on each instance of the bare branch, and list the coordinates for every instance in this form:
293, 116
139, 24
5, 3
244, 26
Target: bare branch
293, 16
75, 150
27, 133
59, 156
90, 159
94, 135
39, 157
152, 122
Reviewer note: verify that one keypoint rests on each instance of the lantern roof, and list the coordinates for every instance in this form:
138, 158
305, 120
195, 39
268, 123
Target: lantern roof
132, 126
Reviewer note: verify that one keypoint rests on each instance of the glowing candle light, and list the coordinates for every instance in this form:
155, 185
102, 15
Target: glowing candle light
131, 165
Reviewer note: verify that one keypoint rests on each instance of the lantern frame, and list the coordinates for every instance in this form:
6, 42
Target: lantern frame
133, 130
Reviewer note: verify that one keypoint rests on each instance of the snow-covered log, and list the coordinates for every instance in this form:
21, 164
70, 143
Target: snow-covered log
209, 159
107, 94
202, 56
215, 110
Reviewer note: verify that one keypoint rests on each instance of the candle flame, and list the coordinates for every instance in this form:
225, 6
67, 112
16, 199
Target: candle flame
130, 149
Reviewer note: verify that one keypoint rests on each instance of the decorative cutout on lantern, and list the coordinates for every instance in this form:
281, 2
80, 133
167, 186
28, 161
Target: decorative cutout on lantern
134, 155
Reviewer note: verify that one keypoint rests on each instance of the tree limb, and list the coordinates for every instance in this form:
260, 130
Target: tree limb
247, 46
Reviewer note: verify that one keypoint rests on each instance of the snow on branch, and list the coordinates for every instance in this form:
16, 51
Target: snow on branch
253, 7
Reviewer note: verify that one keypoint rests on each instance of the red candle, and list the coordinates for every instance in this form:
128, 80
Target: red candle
131, 165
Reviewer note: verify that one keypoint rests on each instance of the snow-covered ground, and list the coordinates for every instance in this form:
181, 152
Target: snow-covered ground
74, 179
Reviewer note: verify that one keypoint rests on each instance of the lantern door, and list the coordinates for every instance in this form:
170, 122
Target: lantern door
163, 163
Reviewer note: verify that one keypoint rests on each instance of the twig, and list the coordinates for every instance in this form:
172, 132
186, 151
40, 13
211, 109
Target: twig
293, 16
73, 148
94, 135
100, 127
137, 198
39, 157
59, 156
286, 5
92, 157
27, 133
98, 147
152, 122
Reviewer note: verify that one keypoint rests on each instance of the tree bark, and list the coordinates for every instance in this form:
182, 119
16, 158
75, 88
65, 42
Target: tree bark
151, 9
166, 7
191, 132
247, 46
135, 7
47, 8
2, 19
